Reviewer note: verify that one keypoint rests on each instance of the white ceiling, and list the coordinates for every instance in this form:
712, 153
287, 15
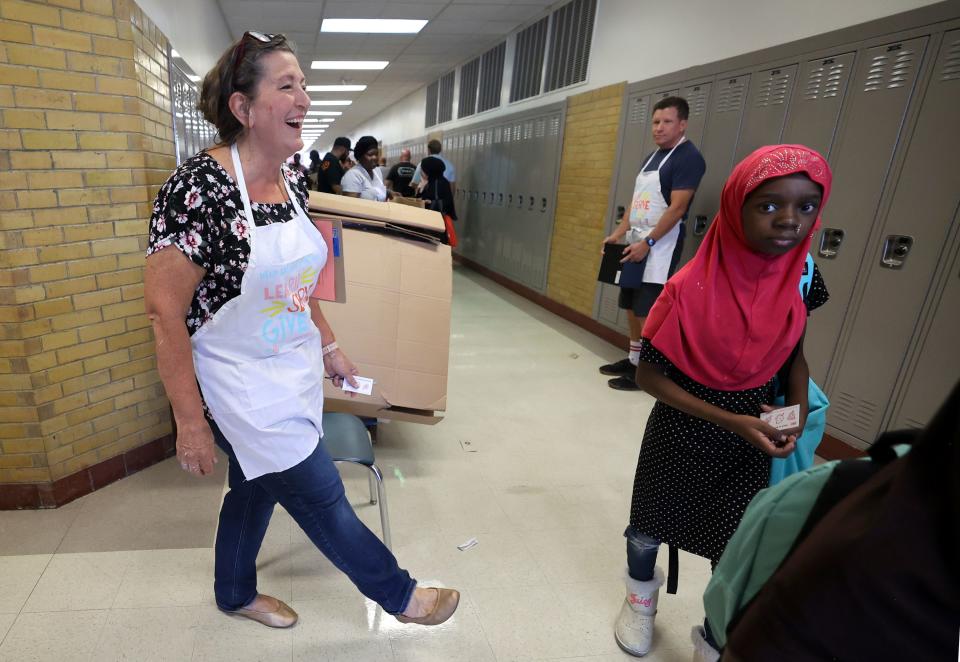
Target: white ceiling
458, 30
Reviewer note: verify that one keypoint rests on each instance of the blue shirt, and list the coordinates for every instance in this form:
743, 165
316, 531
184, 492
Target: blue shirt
448, 171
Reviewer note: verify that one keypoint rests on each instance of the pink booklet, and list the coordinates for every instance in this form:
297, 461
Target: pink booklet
331, 285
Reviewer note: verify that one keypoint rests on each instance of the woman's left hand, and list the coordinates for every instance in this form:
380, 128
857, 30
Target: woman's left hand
792, 433
339, 367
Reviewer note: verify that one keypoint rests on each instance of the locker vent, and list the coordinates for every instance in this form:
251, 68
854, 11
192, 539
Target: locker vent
824, 81
507, 134
773, 90
431, 115
469, 78
638, 110
731, 95
445, 101
516, 131
890, 70
491, 77
527, 130
697, 99
488, 136
951, 63
541, 128
856, 411
555, 126
497, 134
528, 61
571, 32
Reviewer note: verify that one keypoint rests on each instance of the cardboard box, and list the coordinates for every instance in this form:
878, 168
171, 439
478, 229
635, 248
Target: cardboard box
389, 212
395, 324
410, 202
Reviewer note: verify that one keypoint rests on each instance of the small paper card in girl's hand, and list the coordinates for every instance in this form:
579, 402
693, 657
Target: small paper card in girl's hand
783, 418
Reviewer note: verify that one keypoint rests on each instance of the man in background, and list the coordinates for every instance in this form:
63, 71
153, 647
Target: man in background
399, 177
331, 168
433, 148
653, 226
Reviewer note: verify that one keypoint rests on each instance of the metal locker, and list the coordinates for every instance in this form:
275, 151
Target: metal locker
636, 130
698, 98
937, 365
861, 158
901, 265
767, 109
722, 128
815, 109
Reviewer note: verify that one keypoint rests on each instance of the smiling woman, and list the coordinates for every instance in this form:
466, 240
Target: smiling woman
228, 217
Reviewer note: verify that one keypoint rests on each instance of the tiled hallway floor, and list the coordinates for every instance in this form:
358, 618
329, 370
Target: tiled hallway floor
535, 459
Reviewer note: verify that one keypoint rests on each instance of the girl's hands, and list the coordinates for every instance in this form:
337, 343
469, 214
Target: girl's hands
773, 442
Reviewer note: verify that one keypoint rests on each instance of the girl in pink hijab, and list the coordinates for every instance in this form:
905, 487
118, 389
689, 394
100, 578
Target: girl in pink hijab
725, 325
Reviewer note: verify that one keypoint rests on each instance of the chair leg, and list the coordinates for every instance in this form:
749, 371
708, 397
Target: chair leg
373, 488
382, 498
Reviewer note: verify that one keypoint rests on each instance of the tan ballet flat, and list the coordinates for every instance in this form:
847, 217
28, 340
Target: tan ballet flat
281, 617
447, 601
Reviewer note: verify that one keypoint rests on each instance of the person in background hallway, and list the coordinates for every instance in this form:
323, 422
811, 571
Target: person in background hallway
331, 168
877, 578
434, 147
313, 172
399, 176
653, 226
364, 180
252, 383
299, 166
725, 325
436, 190
382, 167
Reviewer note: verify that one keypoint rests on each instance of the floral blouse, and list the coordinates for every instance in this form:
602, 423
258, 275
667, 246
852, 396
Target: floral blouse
199, 210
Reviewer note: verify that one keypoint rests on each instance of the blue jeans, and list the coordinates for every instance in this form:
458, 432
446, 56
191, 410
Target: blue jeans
641, 560
312, 492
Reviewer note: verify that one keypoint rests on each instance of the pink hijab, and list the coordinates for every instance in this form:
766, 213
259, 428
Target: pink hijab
731, 317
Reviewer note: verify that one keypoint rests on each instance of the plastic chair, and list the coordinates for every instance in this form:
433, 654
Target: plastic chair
346, 439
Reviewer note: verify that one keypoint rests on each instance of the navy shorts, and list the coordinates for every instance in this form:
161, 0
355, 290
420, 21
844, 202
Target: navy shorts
640, 299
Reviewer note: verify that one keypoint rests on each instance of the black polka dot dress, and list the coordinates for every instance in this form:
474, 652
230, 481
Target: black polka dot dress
694, 479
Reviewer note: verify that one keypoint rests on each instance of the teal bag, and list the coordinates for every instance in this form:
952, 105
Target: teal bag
812, 435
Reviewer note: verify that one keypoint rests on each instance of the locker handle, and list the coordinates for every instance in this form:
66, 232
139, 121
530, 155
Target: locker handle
699, 225
532, 201
519, 202
830, 241
543, 205
896, 247
500, 199
510, 199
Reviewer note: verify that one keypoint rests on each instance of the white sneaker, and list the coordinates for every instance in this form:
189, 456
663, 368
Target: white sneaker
702, 651
634, 629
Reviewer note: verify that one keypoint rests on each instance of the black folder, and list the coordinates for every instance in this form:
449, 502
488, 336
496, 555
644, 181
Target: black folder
628, 274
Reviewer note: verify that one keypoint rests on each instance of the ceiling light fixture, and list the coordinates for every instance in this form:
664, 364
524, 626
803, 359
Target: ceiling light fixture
336, 102
349, 64
372, 25
336, 88
334, 113
195, 79
174, 53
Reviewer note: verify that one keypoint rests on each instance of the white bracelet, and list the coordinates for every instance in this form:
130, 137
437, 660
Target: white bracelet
330, 349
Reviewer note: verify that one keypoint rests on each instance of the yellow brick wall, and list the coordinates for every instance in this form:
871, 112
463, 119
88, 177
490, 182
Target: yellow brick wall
590, 138
85, 142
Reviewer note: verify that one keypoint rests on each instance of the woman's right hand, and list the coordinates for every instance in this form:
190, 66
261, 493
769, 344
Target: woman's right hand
195, 448
761, 434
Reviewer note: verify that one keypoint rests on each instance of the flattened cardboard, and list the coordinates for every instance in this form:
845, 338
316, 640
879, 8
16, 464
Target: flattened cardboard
399, 214
395, 326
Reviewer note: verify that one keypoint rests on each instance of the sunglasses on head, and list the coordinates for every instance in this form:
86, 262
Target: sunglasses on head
259, 36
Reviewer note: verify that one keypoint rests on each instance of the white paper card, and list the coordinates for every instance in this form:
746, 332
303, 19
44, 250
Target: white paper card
783, 418
364, 386
468, 544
